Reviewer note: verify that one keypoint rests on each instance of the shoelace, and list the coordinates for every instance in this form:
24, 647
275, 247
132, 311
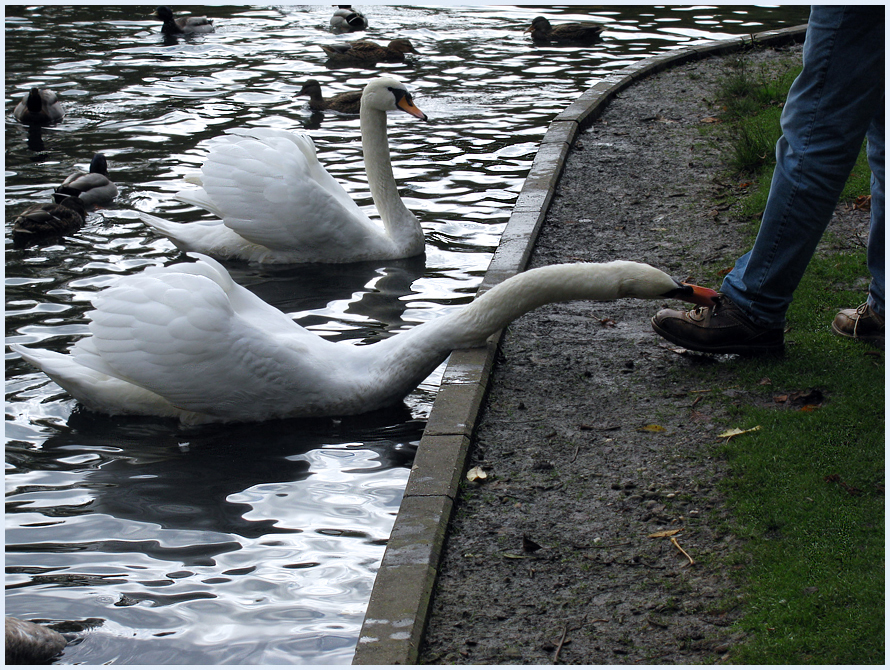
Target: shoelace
699, 312
860, 313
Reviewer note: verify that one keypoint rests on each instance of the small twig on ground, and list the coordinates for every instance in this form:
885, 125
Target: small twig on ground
575, 455
677, 545
565, 631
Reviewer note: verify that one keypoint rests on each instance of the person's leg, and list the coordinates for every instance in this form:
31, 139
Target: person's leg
829, 109
866, 322
876, 232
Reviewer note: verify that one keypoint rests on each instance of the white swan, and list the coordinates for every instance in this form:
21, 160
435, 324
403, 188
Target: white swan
186, 341
279, 205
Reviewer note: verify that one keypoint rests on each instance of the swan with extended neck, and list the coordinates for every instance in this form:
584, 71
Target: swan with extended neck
277, 204
186, 341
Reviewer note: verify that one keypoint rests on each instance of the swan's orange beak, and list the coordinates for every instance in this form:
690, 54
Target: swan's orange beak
407, 105
700, 295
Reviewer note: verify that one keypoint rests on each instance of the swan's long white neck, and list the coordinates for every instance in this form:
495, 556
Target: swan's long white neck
425, 346
397, 219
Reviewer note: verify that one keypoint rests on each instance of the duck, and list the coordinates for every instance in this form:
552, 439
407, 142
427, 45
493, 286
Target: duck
187, 342
39, 106
346, 103
348, 20
184, 25
566, 33
277, 204
93, 188
367, 52
29, 643
41, 222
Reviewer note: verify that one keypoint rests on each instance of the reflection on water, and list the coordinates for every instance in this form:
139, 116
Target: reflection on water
257, 543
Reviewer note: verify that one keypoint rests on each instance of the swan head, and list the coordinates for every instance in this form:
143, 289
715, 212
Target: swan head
643, 281
389, 94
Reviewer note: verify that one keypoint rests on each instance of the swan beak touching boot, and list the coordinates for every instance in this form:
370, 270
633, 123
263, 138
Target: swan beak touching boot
698, 295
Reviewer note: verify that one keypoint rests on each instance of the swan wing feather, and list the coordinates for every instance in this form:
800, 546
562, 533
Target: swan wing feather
269, 187
189, 334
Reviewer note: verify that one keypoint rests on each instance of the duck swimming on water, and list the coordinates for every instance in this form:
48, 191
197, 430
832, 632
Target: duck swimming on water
29, 643
93, 188
39, 106
42, 222
368, 52
345, 103
347, 20
184, 25
565, 33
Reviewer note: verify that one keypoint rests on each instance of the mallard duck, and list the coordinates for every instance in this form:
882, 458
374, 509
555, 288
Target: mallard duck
93, 188
566, 33
346, 103
39, 106
187, 342
29, 643
184, 25
365, 51
277, 203
52, 220
347, 20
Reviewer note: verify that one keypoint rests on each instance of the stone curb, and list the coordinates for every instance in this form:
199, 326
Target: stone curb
395, 620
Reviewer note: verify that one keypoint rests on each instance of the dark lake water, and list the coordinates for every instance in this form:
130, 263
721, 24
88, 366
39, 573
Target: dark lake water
257, 544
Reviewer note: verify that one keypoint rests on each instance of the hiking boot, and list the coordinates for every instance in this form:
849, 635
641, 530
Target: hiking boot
721, 329
862, 323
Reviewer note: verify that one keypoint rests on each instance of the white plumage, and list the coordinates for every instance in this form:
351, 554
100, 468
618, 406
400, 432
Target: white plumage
186, 341
277, 204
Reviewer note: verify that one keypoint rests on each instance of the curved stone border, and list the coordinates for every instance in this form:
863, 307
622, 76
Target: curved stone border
397, 612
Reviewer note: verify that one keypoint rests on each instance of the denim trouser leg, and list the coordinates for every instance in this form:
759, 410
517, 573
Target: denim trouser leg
876, 232
833, 103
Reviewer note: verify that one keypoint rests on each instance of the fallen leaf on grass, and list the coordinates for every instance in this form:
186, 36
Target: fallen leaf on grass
852, 490
476, 474
863, 202
652, 428
666, 533
733, 432
710, 119
812, 397
677, 545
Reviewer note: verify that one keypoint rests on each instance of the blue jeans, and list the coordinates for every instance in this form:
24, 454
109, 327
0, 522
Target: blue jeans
835, 102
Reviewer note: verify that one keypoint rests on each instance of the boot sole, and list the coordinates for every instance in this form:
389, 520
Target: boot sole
741, 349
875, 340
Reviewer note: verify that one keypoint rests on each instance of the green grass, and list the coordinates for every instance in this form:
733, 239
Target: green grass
812, 570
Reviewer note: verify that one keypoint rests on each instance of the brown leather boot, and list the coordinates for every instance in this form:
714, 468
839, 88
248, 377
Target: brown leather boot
862, 323
721, 329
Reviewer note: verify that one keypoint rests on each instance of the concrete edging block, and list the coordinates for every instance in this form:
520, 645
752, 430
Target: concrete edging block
439, 466
396, 616
455, 409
